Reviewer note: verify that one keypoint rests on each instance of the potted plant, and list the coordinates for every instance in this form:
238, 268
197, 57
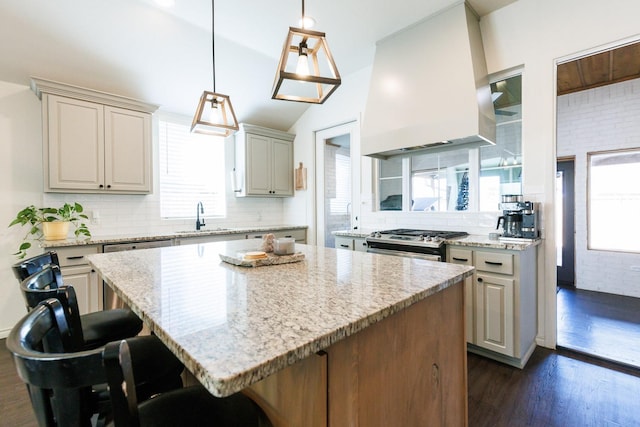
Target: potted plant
50, 224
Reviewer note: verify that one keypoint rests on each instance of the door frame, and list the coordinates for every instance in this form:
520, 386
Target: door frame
351, 128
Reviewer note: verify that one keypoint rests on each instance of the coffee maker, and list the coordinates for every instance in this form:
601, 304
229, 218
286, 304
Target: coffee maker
519, 219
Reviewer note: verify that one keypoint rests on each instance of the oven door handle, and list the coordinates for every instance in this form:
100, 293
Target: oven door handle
407, 254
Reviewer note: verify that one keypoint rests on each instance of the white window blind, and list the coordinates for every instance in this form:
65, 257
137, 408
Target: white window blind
340, 204
191, 171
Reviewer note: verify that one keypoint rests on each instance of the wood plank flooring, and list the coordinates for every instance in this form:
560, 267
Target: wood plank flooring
556, 388
600, 324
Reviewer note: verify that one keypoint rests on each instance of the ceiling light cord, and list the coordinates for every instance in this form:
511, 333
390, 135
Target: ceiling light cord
213, 44
302, 14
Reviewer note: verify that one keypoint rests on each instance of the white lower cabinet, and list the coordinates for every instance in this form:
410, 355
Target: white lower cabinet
77, 272
500, 302
351, 243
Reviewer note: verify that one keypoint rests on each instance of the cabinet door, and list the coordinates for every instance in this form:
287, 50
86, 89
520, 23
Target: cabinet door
258, 180
282, 172
75, 148
494, 305
85, 283
127, 150
359, 244
465, 257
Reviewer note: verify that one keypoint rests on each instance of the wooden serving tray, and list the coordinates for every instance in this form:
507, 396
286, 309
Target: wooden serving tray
237, 258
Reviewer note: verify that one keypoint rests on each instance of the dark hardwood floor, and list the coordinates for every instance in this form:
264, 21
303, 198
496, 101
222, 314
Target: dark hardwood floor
600, 324
556, 388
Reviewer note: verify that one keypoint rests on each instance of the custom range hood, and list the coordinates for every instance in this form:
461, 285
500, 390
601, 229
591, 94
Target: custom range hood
429, 88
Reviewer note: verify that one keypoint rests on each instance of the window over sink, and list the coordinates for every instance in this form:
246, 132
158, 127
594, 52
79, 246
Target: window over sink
191, 171
460, 179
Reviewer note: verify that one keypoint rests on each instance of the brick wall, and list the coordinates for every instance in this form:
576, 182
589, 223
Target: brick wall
605, 118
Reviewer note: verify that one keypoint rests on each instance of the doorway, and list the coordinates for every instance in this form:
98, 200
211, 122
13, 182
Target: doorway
596, 312
338, 181
565, 218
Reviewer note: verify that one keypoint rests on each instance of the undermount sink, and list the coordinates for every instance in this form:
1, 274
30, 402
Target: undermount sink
203, 230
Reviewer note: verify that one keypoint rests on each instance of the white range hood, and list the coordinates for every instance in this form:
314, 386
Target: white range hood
429, 88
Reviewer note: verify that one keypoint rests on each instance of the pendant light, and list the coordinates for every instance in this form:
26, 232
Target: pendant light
307, 71
214, 115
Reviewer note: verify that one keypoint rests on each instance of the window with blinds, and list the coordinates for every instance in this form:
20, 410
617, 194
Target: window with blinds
191, 171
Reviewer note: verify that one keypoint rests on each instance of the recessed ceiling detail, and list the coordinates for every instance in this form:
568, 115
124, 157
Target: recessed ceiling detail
604, 68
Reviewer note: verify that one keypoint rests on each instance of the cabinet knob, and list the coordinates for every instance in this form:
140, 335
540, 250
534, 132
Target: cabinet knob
480, 280
109, 186
101, 186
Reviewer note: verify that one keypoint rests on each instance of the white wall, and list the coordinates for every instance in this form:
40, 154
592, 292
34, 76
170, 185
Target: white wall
21, 184
345, 105
600, 119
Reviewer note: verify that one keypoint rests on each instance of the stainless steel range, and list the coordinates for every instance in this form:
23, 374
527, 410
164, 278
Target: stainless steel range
424, 244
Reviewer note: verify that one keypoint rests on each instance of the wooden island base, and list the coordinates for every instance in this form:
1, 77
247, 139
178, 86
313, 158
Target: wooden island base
410, 369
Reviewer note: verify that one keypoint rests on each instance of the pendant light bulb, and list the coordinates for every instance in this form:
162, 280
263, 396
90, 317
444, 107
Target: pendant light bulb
214, 112
302, 69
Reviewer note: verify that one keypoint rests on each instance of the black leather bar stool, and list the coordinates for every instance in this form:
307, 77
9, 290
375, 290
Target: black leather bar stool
32, 265
191, 406
58, 381
69, 388
98, 328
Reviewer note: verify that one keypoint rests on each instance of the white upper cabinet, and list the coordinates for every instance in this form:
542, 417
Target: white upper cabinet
94, 142
264, 162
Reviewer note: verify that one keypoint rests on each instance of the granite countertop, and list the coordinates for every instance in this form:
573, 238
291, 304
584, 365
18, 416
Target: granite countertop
477, 240
232, 326
147, 237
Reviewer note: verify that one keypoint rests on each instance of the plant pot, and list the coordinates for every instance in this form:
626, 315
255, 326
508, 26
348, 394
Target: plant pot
55, 230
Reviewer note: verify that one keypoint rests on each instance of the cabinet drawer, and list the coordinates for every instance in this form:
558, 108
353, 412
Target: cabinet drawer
344, 243
75, 255
494, 262
460, 256
299, 235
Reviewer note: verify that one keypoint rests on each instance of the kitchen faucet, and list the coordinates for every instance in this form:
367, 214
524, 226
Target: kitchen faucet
199, 210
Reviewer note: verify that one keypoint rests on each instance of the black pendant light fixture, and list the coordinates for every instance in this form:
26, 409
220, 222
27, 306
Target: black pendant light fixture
307, 71
215, 115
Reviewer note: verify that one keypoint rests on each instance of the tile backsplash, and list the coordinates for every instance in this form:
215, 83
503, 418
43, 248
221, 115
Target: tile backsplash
140, 214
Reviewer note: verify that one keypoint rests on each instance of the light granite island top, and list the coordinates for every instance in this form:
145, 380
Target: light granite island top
233, 326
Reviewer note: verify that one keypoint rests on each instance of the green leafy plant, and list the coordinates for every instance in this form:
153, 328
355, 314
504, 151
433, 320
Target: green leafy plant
33, 218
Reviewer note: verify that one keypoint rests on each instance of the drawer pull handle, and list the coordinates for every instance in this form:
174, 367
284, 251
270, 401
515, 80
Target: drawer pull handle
344, 246
288, 236
493, 263
460, 259
75, 257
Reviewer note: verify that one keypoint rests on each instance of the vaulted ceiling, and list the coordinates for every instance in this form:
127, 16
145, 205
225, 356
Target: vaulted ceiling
608, 67
135, 48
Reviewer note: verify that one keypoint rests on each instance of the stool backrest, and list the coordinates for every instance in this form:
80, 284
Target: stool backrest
27, 267
59, 382
47, 283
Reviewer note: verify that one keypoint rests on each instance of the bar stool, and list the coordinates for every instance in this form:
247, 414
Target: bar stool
191, 406
26, 268
98, 328
58, 381
158, 368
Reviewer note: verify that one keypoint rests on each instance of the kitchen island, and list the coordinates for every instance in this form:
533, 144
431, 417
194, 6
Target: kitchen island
340, 338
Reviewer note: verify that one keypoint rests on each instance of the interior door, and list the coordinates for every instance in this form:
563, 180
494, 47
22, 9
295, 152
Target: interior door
565, 240
338, 181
